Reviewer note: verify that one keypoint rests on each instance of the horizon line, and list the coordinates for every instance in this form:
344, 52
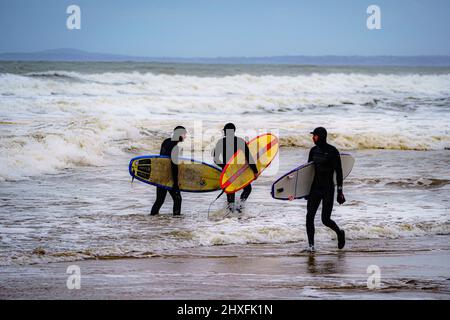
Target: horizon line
74, 50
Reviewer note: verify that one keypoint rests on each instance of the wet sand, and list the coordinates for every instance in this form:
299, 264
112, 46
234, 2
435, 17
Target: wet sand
249, 272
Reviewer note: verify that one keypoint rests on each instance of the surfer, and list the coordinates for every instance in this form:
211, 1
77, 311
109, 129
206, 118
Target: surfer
222, 153
170, 148
327, 160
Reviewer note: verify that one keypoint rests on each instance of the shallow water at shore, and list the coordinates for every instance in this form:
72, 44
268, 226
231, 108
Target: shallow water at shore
96, 213
409, 269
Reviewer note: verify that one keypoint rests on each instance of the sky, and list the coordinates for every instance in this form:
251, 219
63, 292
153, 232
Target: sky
228, 28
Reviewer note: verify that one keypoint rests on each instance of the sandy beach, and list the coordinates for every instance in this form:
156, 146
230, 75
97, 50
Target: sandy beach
248, 272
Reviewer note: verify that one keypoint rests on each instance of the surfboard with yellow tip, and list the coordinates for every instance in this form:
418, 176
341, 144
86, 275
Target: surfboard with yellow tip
193, 175
237, 173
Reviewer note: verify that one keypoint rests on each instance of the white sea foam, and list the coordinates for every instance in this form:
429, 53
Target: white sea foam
231, 231
54, 120
57, 119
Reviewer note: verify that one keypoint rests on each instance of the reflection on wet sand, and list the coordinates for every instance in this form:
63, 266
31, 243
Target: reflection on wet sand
327, 264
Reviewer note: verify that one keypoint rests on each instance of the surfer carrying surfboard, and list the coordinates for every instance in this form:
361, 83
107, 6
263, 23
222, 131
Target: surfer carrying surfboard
224, 151
327, 161
170, 148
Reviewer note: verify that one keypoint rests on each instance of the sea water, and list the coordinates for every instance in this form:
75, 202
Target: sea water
68, 131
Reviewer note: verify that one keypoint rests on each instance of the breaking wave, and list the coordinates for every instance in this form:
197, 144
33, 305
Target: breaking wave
51, 120
226, 232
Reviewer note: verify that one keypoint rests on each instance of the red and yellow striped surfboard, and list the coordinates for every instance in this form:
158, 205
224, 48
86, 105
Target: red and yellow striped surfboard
237, 174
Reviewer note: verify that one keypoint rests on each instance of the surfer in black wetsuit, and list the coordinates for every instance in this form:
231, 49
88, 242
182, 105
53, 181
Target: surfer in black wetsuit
224, 150
327, 161
170, 148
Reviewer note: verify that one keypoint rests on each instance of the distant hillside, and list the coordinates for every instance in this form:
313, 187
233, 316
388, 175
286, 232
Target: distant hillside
78, 55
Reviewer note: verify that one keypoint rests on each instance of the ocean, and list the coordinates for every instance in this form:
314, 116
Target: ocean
68, 131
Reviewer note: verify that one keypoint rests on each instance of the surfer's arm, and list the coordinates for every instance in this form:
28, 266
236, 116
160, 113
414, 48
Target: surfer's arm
175, 157
217, 152
339, 178
250, 160
175, 176
310, 157
338, 169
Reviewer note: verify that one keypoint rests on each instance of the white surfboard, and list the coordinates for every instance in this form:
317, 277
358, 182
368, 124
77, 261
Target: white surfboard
297, 183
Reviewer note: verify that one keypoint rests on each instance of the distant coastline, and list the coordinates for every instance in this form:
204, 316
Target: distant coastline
75, 55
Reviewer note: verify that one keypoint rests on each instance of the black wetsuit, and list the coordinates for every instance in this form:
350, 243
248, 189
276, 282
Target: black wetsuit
327, 161
224, 150
167, 147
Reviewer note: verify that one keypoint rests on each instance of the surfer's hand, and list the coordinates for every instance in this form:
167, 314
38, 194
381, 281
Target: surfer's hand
291, 197
340, 198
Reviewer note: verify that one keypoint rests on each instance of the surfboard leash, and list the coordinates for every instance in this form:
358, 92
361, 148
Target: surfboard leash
223, 191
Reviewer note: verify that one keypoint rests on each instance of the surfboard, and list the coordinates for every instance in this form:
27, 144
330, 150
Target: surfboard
193, 175
297, 183
237, 174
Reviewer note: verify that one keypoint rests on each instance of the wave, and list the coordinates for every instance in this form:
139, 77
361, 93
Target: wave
92, 142
282, 233
98, 141
54, 120
331, 89
411, 183
55, 75
228, 232
40, 255
376, 140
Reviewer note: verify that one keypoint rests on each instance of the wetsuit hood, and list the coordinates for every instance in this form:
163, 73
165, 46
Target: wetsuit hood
178, 133
322, 134
229, 130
